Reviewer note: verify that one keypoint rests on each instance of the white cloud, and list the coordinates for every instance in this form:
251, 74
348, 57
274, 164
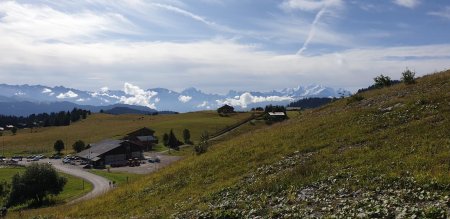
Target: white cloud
38, 22
310, 5
68, 94
46, 90
137, 96
407, 3
184, 99
246, 98
203, 104
104, 89
81, 100
444, 13
157, 100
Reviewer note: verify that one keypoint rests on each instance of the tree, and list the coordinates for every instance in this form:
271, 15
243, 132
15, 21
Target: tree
36, 183
187, 136
58, 146
4, 191
14, 130
225, 109
203, 145
408, 77
173, 141
382, 81
78, 146
166, 139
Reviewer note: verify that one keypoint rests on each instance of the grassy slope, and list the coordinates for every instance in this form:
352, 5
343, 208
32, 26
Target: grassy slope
118, 178
366, 140
100, 126
73, 188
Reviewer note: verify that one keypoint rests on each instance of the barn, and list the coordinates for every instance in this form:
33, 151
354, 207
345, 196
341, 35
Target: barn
111, 152
144, 137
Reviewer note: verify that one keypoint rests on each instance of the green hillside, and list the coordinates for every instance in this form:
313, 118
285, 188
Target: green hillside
386, 155
102, 126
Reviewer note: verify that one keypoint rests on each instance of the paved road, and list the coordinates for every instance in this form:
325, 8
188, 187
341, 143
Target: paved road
100, 184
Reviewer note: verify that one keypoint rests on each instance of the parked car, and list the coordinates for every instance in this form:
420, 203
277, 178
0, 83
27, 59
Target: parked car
19, 158
35, 159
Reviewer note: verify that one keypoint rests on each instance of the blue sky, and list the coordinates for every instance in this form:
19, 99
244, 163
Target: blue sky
217, 45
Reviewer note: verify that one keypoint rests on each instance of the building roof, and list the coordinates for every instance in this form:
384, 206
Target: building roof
277, 114
100, 148
142, 132
146, 138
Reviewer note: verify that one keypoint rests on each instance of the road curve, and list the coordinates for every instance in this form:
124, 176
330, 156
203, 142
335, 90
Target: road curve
100, 185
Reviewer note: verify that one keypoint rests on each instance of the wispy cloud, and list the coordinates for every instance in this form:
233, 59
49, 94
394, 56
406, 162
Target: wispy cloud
323, 7
444, 13
246, 99
407, 3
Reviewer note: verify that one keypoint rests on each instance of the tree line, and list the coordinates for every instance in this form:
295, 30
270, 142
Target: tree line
61, 118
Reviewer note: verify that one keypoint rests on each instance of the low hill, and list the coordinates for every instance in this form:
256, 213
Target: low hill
101, 126
385, 154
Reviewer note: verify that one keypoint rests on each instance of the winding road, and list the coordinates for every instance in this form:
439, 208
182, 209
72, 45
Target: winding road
100, 185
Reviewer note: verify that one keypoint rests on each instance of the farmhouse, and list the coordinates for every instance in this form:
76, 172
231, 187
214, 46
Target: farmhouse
111, 152
143, 137
277, 114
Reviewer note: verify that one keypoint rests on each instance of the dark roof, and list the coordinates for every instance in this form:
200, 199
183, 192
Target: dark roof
146, 138
142, 132
100, 148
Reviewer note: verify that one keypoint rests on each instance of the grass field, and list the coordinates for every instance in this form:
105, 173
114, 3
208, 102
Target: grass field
103, 126
74, 187
386, 155
118, 177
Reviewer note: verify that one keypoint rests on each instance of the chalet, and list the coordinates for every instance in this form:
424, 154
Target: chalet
111, 152
2, 129
290, 108
9, 127
144, 137
277, 114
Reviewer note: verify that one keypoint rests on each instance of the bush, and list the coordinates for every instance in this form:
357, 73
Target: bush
35, 184
382, 81
355, 98
408, 77
202, 147
4, 191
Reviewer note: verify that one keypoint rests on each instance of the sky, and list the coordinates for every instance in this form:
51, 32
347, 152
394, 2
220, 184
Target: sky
218, 45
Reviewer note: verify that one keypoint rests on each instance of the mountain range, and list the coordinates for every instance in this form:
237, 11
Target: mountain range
27, 99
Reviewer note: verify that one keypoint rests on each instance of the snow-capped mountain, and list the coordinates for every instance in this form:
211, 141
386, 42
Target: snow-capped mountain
190, 99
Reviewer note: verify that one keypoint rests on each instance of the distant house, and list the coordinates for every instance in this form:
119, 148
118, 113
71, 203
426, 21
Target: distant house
225, 109
9, 127
2, 129
111, 152
277, 114
290, 108
144, 137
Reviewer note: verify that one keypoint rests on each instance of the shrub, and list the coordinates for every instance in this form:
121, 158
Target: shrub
202, 147
408, 77
355, 98
382, 81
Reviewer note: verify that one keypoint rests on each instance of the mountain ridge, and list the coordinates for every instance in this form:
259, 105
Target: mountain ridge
190, 99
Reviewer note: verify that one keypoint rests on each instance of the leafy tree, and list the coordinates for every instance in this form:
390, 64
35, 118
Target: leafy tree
408, 77
1, 133
204, 144
36, 183
187, 136
79, 146
4, 191
14, 130
58, 146
382, 81
166, 139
